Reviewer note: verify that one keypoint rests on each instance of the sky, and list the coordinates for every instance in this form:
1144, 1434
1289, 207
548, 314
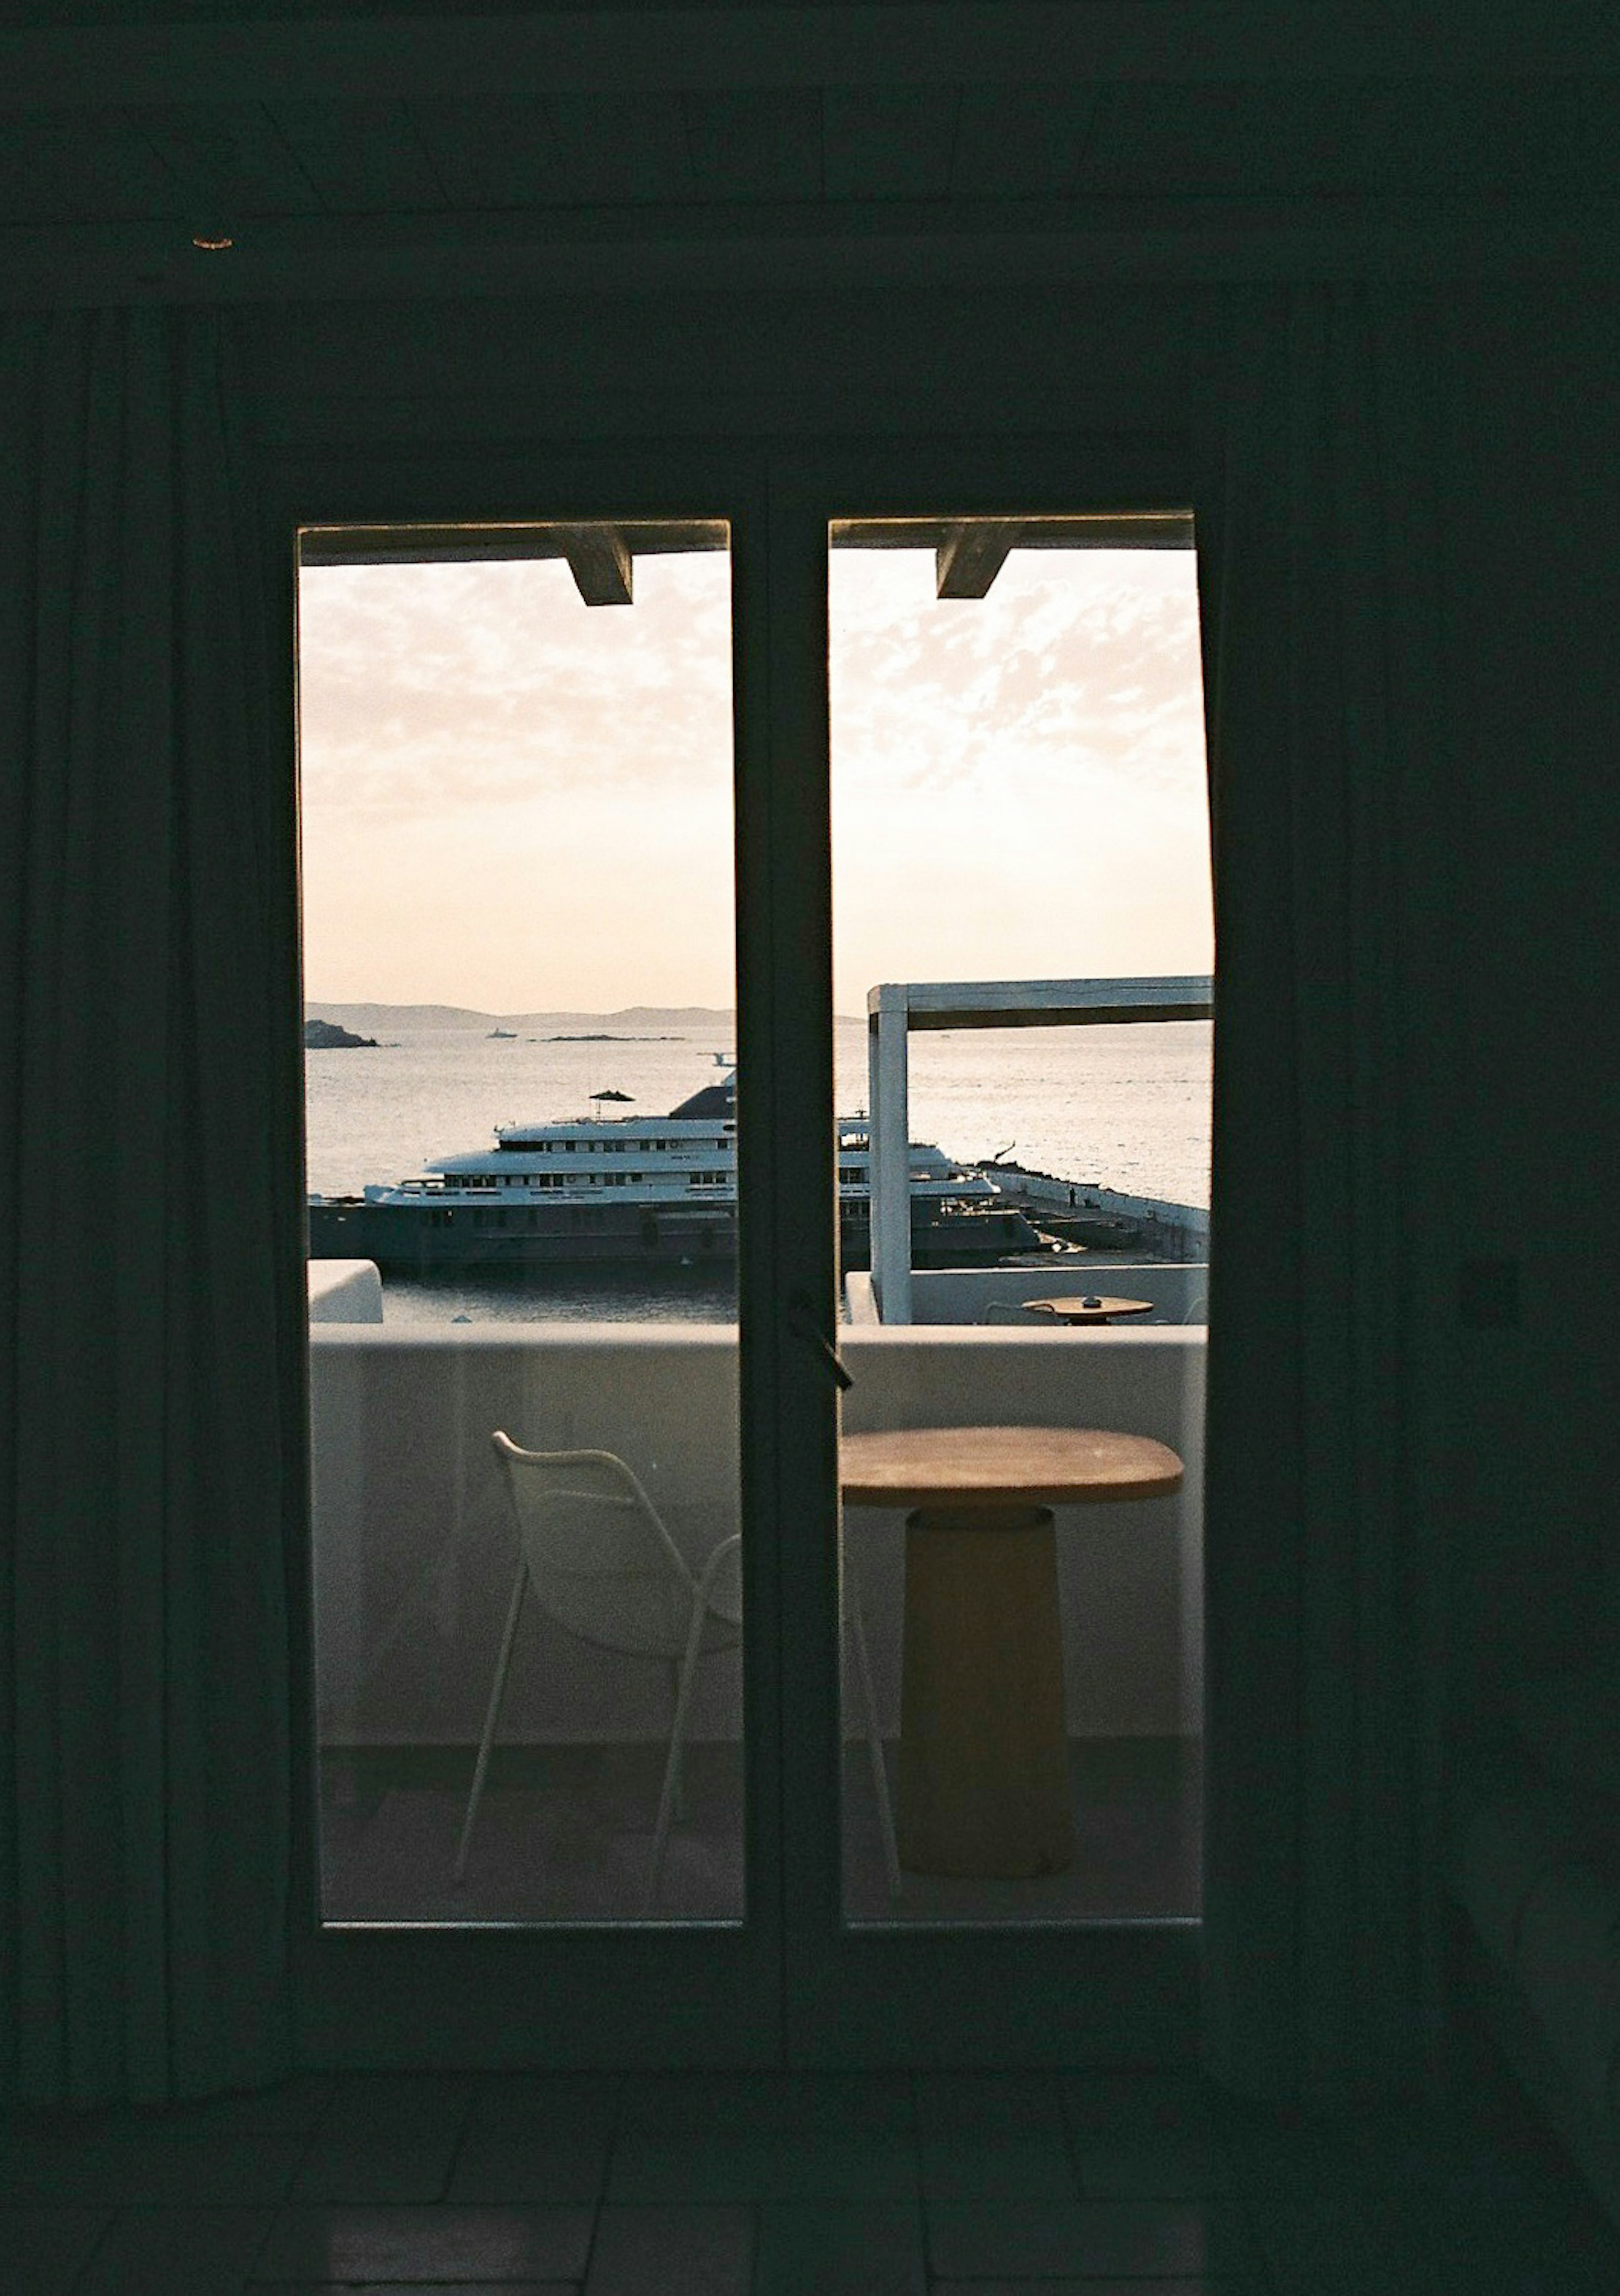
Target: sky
516, 802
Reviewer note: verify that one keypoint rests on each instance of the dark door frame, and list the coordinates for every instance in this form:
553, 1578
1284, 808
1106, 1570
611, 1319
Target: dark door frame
791, 1985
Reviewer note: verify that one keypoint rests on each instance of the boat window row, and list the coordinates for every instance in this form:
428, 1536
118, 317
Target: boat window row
548, 1180
466, 1181
603, 1147
484, 1216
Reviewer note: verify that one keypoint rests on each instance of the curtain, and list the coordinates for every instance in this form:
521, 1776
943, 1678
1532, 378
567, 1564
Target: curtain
149, 1258
1318, 532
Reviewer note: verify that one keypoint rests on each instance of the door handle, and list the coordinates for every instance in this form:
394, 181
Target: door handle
803, 1323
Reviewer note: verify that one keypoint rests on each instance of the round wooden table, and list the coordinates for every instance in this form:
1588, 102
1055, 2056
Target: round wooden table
984, 1774
1089, 1308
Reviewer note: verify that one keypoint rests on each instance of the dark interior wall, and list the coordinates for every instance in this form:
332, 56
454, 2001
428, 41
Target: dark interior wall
1534, 608
789, 366
1518, 958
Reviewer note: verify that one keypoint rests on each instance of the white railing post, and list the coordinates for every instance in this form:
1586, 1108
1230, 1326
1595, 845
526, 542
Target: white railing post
889, 1169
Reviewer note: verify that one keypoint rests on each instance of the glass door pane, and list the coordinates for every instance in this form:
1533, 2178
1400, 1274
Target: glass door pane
1021, 950
516, 766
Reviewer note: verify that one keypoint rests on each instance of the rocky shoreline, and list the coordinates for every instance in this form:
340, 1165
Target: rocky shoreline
326, 1036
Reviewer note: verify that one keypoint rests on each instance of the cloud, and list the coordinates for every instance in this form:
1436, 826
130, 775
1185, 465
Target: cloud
1077, 664
430, 688
502, 785
1018, 781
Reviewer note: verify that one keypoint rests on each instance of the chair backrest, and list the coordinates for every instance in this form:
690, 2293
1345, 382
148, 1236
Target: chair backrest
598, 1557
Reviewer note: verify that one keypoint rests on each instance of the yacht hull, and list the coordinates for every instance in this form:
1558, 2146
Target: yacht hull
405, 1237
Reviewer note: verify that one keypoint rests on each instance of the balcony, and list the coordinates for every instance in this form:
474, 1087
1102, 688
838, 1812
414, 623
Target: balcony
415, 1555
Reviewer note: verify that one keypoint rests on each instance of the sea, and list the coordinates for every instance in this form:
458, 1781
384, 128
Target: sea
1123, 1107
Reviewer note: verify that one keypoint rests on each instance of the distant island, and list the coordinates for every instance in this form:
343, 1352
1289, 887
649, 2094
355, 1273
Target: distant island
606, 1036
327, 1037
381, 1020
629, 1024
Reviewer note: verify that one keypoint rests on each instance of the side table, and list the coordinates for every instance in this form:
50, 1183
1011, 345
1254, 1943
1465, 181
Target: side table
984, 1770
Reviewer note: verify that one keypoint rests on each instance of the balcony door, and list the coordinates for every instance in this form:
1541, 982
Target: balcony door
602, 1734
986, 681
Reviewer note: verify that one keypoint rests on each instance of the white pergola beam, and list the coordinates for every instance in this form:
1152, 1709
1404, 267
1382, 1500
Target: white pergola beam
894, 1008
1050, 1003
889, 1161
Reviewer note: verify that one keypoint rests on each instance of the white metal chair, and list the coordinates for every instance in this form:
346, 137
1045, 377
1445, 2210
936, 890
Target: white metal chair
604, 1567
594, 1551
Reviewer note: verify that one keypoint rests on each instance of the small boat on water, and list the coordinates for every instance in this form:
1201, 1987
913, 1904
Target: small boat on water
639, 1189
508, 1036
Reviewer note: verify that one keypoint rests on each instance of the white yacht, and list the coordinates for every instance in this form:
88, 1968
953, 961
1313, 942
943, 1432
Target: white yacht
639, 1188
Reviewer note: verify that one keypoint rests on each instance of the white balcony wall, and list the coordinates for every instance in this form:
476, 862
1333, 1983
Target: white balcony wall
1178, 1289
415, 1552
415, 1549
345, 1291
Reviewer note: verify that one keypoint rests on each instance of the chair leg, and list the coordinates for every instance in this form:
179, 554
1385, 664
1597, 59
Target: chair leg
498, 1692
671, 1772
874, 1749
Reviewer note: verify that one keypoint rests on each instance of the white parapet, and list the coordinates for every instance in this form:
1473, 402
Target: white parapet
1179, 1291
414, 1548
345, 1291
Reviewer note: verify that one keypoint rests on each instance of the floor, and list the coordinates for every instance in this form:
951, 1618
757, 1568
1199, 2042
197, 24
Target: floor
564, 1834
758, 2185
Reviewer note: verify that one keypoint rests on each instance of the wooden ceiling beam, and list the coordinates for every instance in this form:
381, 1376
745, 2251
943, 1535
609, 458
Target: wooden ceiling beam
971, 556
1121, 529
599, 560
414, 544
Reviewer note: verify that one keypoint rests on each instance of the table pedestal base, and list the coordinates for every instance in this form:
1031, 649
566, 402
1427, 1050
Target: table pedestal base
983, 1774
